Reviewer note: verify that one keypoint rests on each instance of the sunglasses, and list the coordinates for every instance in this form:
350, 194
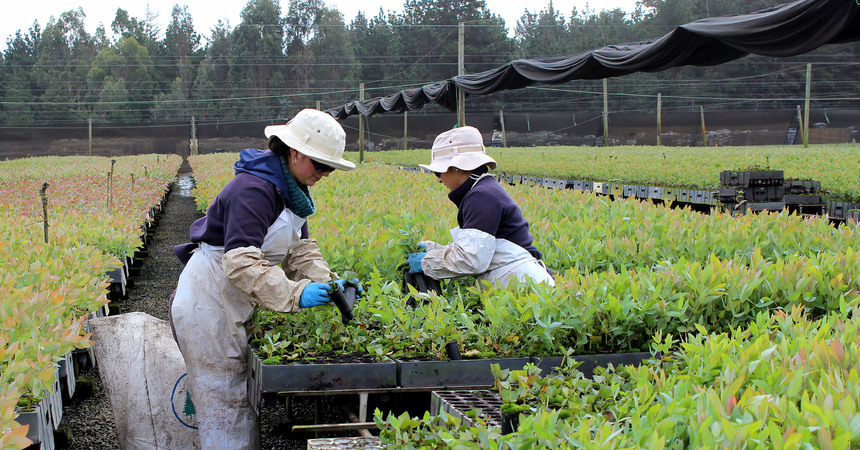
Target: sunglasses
322, 168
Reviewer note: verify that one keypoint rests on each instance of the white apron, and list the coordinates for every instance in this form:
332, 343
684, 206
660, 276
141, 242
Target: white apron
209, 315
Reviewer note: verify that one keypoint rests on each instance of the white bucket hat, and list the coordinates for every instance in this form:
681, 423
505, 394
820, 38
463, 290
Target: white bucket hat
316, 135
462, 148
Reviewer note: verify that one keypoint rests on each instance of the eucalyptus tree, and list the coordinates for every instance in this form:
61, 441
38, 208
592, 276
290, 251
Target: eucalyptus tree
333, 64
212, 84
375, 48
63, 59
544, 33
427, 31
182, 44
19, 94
121, 79
257, 56
300, 22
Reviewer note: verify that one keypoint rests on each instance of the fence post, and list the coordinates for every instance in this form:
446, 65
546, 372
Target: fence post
194, 148
361, 125
405, 128
659, 115
806, 105
704, 133
605, 113
502, 122
90, 151
461, 70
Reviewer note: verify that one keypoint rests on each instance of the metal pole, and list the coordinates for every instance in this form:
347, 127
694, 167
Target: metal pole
319, 105
704, 133
659, 116
461, 70
806, 105
605, 113
405, 128
361, 125
502, 121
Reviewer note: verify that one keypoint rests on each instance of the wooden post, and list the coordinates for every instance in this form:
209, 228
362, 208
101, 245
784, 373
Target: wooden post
194, 149
405, 128
800, 122
659, 116
319, 105
605, 113
704, 133
461, 70
90, 151
806, 105
502, 121
361, 125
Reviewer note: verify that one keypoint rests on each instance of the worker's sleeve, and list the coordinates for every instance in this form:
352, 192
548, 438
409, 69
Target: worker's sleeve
469, 254
268, 285
305, 261
430, 245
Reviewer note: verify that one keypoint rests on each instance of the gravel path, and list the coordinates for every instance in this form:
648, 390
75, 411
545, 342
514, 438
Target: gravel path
89, 417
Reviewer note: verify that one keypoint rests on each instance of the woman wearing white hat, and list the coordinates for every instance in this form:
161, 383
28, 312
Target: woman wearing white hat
492, 241
252, 248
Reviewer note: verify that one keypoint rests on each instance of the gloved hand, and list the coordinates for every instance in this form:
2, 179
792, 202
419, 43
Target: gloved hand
358, 288
414, 262
315, 294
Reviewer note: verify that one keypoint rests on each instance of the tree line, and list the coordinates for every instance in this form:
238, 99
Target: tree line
273, 62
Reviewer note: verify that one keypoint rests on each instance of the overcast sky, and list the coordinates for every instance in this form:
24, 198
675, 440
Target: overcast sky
18, 14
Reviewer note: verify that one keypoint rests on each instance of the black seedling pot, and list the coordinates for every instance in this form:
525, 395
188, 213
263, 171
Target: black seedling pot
421, 282
453, 350
344, 300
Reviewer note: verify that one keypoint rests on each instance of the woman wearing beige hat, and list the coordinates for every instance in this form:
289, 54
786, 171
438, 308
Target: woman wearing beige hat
492, 241
252, 248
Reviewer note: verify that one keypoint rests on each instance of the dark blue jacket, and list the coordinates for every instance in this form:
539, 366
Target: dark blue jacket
245, 208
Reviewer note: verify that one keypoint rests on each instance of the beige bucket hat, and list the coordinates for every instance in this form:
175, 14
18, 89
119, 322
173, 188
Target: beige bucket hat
316, 135
462, 148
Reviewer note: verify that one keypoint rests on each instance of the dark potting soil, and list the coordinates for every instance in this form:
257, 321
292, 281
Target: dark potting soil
88, 415
333, 358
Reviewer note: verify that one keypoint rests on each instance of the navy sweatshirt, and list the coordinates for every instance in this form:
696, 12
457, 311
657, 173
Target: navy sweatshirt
489, 208
245, 208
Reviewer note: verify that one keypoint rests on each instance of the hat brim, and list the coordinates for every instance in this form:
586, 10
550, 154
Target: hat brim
463, 161
291, 140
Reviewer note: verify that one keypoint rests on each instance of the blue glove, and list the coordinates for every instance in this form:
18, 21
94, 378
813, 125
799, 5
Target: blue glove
358, 288
414, 261
315, 294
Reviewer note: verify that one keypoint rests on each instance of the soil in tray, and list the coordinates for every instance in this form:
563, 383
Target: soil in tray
332, 358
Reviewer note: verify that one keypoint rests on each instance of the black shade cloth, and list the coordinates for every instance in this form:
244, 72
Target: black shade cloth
786, 30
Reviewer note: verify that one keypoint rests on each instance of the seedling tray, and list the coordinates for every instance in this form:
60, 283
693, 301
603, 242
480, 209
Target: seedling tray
473, 373
589, 362
39, 420
297, 377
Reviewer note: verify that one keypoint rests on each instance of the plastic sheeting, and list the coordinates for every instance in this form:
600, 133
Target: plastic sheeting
786, 30
141, 369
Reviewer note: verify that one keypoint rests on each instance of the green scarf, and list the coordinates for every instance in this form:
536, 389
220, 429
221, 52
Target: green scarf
301, 203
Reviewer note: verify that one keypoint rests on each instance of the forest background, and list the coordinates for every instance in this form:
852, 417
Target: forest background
275, 62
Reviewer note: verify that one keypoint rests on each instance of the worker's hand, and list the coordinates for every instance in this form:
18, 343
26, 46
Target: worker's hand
358, 288
414, 262
315, 294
